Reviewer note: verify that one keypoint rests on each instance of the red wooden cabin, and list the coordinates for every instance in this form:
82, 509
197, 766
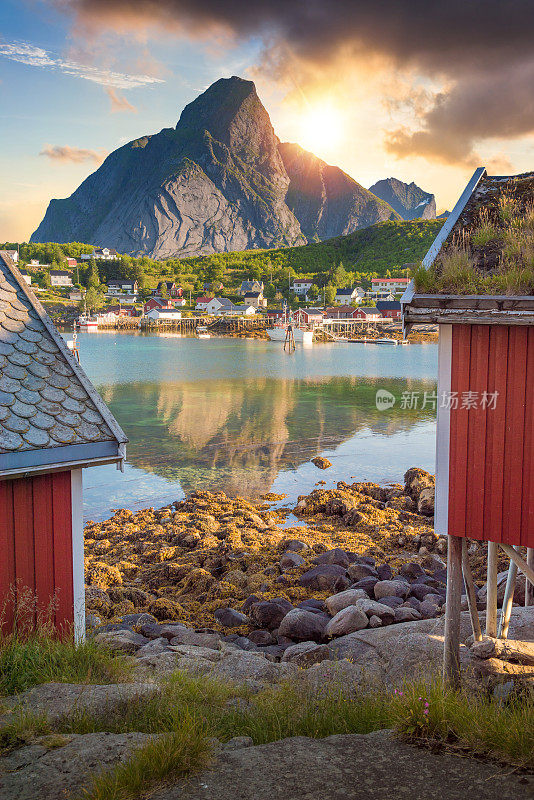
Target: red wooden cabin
53, 423
485, 425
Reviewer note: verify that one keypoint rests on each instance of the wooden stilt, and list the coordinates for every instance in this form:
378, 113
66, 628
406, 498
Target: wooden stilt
507, 603
527, 571
451, 653
529, 587
471, 592
491, 598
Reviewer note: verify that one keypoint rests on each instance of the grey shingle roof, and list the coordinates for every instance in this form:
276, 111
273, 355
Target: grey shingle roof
46, 400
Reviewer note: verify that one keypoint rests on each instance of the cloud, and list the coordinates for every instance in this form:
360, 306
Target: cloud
119, 102
25, 53
77, 155
480, 50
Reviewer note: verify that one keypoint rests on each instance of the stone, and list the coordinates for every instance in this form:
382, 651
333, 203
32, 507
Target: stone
230, 618
519, 591
392, 602
251, 599
97, 599
374, 621
291, 561
367, 584
384, 572
261, 637
425, 503
433, 563
405, 614
305, 654
268, 614
237, 743
197, 639
416, 480
163, 609
428, 610
358, 572
321, 462
122, 641
302, 626
370, 607
335, 556
337, 602
169, 631
325, 577
139, 619
92, 621
153, 646
412, 570
311, 604
391, 589
295, 545
348, 620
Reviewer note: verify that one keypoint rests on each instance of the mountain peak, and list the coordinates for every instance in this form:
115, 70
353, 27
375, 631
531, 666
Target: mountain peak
408, 199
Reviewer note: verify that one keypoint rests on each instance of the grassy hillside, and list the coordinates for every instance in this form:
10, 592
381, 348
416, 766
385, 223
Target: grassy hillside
387, 245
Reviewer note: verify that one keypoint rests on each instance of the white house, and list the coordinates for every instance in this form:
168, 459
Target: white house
250, 286
168, 314
35, 263
245, 310
119, 285
202, 302
25, 274
349, 294
255, 299
301, 287
14, 255
214, 306
386, 285
101, 253
59, 277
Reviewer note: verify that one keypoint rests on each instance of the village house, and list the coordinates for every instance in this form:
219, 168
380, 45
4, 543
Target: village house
101, 254
274, 314
308, 316
170, 288
14, 255
120, 311
26, 275
35, 264
72, 263
202, 302
60, 277
340, 312
157, 303
166, 314
215, 304
390, 309
301, 287
368, 313
119, 285
41, 461
350, 294
251, 286
393, 285
255, 299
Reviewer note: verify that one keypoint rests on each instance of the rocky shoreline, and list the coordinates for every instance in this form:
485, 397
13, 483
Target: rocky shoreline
213, 569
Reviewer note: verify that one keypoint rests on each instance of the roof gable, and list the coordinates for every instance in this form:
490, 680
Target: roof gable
46, 399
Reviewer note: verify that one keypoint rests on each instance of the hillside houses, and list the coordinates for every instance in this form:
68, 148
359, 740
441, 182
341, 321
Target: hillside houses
255, 299
251, 286
119, 285
301, 287
101, 254
60, 277
389, 285
349, 294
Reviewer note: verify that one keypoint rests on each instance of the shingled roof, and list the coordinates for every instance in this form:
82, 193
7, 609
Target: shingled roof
50, 413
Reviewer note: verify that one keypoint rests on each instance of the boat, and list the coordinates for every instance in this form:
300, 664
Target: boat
278, 334
202, 332
385, 341
87, 323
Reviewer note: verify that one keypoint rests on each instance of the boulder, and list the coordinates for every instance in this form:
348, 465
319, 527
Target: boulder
291, 561
412, 570
197, 639
341, 600
122, 641
384, 572
295, 545
358, 572
305, 654
392, 602
370, 607
391, 589
335, 556
268, 614
303, 626
348, 620
519, 591
367, 584
425, 503
321, 462
415, 480
311, 604
405, 614
153, 646
374, 621
325, 577
230, 618
261, 638
139, 619
428, 610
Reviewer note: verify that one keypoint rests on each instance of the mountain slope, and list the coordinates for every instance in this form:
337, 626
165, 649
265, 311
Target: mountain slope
407, 199
219, 181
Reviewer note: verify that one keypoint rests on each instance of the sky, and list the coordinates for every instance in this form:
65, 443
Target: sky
421, 91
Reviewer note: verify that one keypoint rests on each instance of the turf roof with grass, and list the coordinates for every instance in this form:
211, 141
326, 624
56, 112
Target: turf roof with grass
490, 249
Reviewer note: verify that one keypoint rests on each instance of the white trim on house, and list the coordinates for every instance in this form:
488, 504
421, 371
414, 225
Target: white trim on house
443, 431
76, 493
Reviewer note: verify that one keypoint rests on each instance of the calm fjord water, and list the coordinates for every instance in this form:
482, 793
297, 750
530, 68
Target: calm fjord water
244, 417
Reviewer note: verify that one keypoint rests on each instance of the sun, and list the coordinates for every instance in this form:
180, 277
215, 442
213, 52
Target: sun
321, 128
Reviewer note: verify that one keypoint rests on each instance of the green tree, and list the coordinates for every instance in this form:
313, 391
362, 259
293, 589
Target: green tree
93, 277
313, 292
163, 289
94, 299
329, 294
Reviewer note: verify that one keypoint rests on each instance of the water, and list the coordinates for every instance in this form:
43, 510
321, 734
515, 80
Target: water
243, 417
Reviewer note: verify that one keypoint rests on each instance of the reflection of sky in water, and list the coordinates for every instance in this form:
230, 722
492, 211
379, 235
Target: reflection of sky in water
243, 417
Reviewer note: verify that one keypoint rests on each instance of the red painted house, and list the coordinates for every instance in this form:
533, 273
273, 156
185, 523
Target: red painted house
157, 302
340, 312
368, 313
308, 316
53, 423
485, 424
389, 309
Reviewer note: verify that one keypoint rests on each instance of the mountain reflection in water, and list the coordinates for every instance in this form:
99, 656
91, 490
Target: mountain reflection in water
236, 435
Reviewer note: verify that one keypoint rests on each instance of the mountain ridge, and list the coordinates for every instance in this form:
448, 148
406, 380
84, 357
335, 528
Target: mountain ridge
219, 181
409, 200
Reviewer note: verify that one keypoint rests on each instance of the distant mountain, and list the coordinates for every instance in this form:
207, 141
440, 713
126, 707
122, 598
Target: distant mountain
443, 215
407, 199
220, 181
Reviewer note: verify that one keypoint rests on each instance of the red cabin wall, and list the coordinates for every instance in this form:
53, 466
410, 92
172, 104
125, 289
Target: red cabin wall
36, 545
491, 451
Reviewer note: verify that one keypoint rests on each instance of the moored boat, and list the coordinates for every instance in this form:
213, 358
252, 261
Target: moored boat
86, 323
278, 334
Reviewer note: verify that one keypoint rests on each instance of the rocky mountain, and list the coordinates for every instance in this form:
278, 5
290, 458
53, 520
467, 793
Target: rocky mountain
221, 180
407, 199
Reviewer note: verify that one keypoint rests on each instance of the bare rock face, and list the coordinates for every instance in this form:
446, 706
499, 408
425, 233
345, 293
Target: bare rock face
407, 199
221, 180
